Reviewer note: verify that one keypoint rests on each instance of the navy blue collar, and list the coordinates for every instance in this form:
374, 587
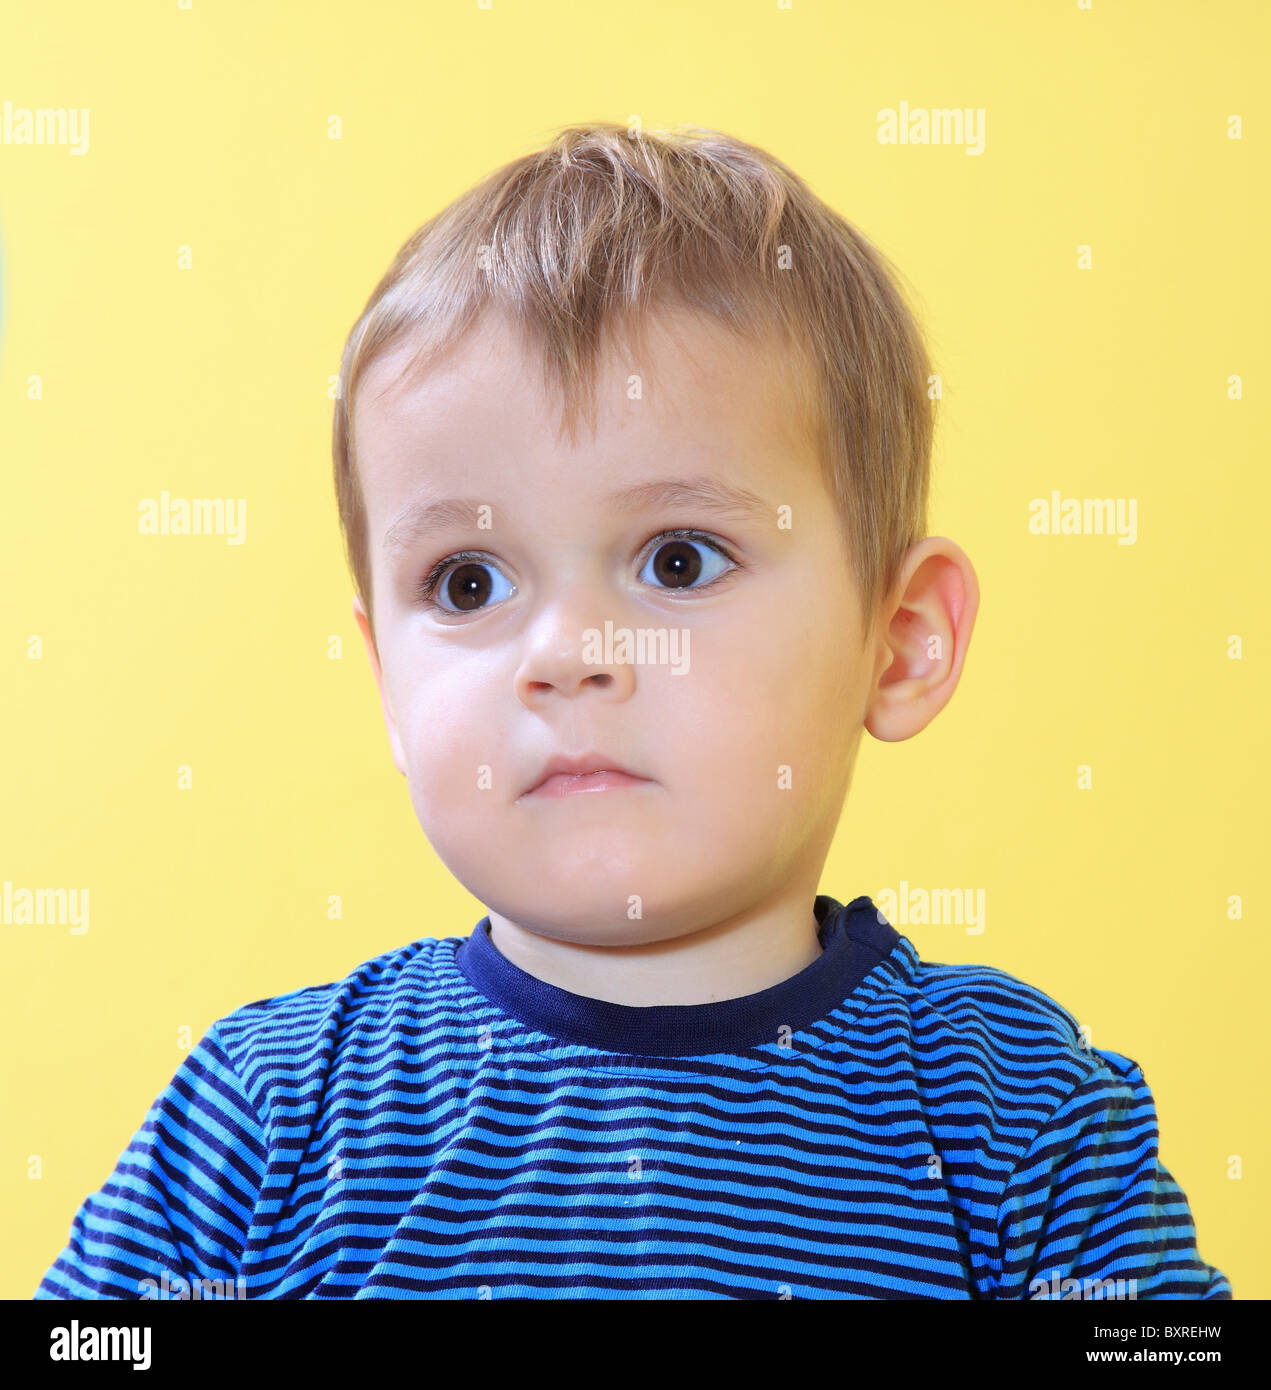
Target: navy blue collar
853, 939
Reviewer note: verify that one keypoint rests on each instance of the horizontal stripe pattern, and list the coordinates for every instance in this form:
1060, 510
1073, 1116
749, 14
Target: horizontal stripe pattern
938, 1132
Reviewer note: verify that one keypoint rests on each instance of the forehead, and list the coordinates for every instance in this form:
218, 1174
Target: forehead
682, 395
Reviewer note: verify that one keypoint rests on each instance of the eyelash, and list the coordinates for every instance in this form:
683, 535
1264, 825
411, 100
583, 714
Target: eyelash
431, 582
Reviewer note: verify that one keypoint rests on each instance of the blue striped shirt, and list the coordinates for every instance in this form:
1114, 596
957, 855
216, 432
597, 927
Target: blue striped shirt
441, 1124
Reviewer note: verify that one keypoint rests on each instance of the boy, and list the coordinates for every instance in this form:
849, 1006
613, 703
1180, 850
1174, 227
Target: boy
625, 671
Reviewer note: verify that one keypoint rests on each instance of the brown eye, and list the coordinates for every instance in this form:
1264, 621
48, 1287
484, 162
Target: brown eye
680, 560
462, 584
468, 587
676, 564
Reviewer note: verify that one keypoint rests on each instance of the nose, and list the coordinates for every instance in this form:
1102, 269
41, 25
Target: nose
566, 653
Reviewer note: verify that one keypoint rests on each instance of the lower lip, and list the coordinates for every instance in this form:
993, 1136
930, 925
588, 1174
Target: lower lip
563, 784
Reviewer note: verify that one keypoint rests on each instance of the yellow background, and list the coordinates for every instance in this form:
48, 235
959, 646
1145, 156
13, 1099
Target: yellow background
209, 128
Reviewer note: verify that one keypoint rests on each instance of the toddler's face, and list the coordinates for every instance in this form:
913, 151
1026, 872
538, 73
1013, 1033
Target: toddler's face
745, 736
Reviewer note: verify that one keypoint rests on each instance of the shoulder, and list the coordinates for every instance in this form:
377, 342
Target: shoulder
986, 1042
1001, 1009
984, 1007
290, 1037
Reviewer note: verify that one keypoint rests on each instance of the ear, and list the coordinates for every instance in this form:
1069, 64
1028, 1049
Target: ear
363, 622
924, 633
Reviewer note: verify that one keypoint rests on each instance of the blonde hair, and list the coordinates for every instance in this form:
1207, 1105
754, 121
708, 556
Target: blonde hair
602, 226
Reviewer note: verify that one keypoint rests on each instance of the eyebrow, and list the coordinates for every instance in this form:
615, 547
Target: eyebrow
422, 518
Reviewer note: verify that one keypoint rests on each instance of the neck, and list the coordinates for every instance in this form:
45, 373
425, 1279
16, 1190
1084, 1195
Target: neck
746, 951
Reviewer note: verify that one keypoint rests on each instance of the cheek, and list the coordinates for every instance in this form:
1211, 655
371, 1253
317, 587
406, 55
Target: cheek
719, 732
447, 741
779, 713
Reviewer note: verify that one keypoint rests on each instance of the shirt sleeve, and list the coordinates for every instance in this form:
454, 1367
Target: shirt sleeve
1090, 1212
179, 1203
